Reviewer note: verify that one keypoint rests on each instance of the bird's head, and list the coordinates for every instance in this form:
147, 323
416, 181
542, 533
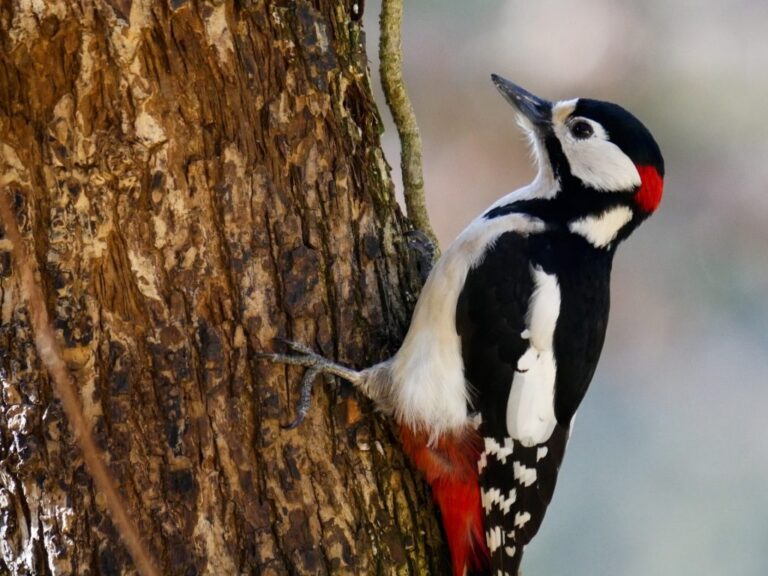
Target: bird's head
599, 155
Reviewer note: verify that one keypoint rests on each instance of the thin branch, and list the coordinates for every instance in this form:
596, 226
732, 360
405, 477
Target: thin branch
391, 58
49, 350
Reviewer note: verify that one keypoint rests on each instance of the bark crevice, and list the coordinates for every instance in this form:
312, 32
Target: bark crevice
199, 179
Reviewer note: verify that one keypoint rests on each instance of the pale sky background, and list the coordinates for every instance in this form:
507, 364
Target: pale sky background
667, 469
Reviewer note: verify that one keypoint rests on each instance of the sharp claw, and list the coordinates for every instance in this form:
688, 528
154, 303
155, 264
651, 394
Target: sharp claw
280, 340
295, 424
315, 365
304, 360
293, 345
301, 348
305, 396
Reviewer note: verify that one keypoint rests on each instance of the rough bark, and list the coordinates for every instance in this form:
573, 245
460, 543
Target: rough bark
194, 180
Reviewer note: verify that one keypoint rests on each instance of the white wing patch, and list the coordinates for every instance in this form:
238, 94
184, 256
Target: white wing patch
494, 538
501, 452
602, 229
525, 476
494, 497
521, 519
531, 405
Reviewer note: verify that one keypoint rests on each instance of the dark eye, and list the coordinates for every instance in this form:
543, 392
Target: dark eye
582, 130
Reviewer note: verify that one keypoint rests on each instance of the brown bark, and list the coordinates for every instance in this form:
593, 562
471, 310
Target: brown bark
195, 179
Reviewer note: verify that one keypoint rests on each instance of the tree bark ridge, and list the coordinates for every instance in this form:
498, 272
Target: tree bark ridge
49, 352
197, 179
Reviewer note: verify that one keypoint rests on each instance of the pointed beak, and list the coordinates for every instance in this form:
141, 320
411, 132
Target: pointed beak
537, 110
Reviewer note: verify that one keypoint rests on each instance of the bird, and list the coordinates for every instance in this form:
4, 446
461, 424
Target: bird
509, 326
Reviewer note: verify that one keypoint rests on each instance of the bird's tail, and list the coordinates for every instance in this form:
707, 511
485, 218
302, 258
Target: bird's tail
450, 467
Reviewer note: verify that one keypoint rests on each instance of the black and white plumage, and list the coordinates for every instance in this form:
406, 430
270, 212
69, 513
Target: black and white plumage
510, 324
530, 345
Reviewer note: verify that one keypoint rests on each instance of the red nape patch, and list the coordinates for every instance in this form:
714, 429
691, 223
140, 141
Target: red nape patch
451, 470
649, 195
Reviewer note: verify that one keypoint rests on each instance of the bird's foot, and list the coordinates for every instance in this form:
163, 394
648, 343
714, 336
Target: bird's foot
315, 365
424, 249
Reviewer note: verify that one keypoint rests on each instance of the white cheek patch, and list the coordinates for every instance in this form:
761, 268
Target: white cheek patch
600, 230
597, 161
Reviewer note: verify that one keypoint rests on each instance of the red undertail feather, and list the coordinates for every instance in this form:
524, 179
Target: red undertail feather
649, 195
450, 467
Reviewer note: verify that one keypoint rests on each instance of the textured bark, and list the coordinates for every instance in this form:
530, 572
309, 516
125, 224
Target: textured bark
194, 180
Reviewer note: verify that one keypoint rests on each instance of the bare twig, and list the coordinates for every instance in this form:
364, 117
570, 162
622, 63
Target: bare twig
49, 350
391, 58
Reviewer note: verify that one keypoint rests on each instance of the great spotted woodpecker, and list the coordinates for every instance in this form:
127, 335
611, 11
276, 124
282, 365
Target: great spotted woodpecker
509, 327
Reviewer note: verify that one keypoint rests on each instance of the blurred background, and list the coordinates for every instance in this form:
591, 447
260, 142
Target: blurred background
667, 469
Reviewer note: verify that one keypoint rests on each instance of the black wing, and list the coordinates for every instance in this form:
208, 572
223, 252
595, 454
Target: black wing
516, 481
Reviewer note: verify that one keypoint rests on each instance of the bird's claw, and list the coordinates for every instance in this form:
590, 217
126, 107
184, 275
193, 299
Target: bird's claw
425, 250
305, 398
306, 358
298, 347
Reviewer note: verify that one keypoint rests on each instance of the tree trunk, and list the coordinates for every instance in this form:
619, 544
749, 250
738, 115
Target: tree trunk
195, 179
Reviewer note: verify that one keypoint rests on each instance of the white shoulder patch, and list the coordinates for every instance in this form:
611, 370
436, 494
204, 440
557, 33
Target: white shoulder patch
602, 229
531, 403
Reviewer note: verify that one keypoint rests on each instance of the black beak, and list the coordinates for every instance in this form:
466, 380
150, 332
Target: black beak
537, 110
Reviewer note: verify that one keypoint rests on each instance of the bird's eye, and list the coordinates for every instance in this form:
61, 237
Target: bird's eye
582, 130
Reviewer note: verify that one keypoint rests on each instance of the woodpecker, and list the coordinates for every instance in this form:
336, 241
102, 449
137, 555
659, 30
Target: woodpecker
509, 326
